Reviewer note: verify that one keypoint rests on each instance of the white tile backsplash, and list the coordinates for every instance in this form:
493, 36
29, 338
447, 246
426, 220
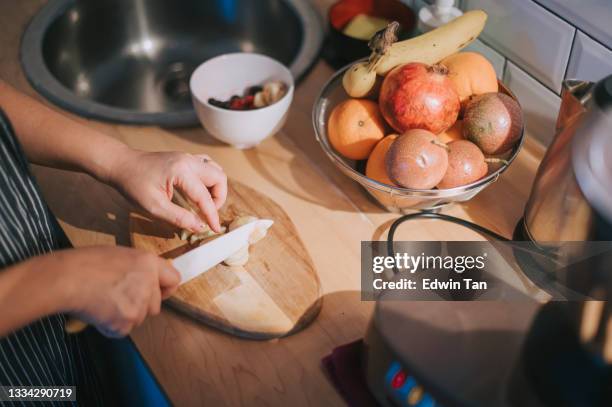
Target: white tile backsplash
540, 105
530, 36
493, 56
589, 60
591, 16
544, 42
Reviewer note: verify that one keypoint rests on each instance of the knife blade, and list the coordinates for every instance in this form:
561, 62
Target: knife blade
201, 259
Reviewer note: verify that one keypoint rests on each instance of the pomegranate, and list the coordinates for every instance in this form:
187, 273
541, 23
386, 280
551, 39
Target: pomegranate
493, 121
419, 96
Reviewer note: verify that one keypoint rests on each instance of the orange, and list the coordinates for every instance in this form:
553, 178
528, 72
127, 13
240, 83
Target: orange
376, 168
471, 73
354, 128
454, 133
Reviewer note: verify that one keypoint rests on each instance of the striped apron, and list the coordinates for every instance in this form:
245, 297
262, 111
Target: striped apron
40, 354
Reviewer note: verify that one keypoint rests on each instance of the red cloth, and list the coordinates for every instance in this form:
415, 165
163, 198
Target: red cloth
345, 371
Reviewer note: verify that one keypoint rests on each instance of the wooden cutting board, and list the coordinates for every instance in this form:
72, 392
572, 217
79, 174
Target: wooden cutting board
275, 294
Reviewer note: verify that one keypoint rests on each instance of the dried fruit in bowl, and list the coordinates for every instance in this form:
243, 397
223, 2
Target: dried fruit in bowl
254, 97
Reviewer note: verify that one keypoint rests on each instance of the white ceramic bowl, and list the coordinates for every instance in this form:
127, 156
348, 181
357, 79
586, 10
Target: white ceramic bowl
232, 74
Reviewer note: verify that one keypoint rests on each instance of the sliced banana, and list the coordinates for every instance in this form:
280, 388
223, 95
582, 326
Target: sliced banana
258, 234
274, 91
196, 237
240, 258
185, 234
188, 235
259, 100
271, 93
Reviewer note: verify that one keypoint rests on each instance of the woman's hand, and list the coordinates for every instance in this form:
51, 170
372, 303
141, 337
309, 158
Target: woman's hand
149, 180
113, 288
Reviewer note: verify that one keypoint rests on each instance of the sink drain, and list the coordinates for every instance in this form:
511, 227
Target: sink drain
175, 81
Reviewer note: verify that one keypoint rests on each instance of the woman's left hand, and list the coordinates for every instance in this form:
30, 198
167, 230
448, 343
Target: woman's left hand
149, 180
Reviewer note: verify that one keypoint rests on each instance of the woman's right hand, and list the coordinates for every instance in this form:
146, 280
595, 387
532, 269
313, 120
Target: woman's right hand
114, 288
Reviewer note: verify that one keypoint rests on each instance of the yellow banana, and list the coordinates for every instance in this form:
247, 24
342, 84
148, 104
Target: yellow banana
428, 48
359, 79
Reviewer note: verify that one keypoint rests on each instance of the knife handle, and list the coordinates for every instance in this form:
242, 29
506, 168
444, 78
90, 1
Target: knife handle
74, 326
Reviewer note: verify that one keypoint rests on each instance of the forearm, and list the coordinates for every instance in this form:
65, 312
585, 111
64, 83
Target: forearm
31, 290
52, 139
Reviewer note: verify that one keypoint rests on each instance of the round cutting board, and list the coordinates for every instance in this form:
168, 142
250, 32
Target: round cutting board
275, 294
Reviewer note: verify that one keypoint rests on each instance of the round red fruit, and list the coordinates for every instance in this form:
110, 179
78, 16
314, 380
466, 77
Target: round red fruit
419, 96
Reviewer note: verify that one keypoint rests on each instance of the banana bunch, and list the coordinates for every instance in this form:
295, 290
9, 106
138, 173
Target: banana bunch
428, 48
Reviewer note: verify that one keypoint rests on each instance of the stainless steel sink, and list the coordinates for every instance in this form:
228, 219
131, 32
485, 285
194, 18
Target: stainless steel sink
130, 60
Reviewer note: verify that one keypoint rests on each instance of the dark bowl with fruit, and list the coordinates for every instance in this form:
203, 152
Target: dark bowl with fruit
434, 163
352, 22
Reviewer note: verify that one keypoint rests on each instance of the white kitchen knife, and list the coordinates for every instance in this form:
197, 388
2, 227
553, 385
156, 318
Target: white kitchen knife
205, 257
201, 259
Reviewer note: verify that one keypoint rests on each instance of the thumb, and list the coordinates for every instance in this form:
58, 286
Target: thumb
169, 279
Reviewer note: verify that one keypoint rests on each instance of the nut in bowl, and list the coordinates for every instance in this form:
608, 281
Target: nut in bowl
242, 98
419, 124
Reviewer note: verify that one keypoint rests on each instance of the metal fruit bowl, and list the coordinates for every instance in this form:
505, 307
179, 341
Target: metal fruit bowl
395, 198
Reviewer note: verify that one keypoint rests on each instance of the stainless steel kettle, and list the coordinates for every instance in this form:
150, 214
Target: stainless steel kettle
571, 197
571, 200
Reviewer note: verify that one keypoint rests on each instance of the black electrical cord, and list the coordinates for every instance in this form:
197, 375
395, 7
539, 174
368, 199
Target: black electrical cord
433, 215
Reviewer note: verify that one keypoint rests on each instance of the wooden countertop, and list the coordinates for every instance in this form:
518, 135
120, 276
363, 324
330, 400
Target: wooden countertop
197, 365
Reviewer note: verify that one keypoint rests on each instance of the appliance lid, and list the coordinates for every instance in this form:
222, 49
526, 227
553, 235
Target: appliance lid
603, 94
